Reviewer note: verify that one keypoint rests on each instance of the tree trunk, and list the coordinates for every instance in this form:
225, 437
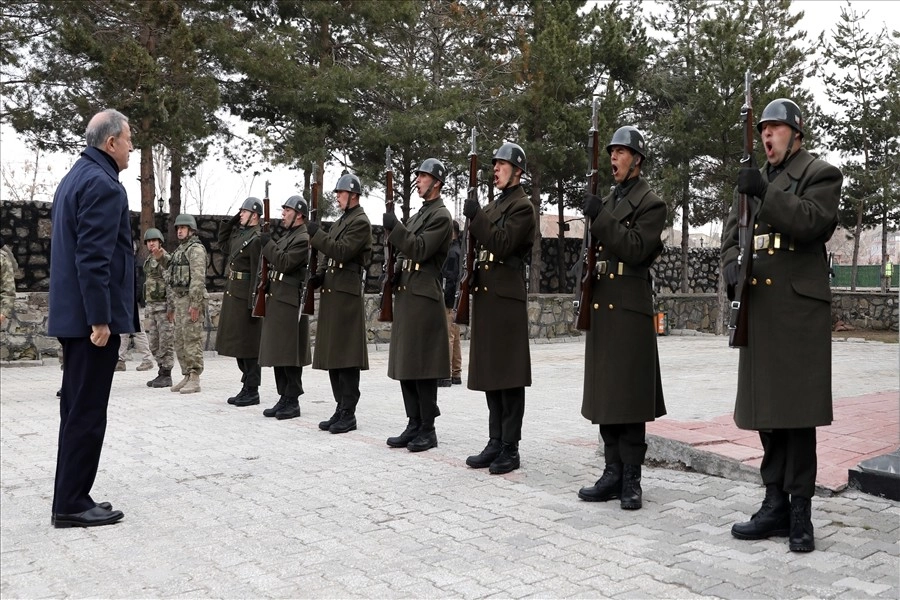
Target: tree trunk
857, 232
685, 232
148, 191
885, 283
175, 196
563, 285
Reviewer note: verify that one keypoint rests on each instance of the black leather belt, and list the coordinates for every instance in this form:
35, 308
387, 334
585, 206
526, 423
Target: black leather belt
617, 267
240, 275
511, 261
354, 267
283, 278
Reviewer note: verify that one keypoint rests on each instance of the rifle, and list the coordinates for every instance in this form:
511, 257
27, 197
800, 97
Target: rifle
309, 294
738, 322
387, 286
588, 245
262, 285
468, 275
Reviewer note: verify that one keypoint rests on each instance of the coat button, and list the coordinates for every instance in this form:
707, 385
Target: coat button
610, 307
771, 251
596, 306
768, 281
753, 281
600, 247
487, 267
485, 288
612, 275
476, 288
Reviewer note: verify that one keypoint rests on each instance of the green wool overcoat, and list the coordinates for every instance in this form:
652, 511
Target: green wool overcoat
238, 332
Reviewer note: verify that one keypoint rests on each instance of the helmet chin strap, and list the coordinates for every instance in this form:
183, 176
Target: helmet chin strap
790, 146
429, 188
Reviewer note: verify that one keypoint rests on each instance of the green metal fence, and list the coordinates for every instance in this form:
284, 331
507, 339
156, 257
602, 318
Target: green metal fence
867, 276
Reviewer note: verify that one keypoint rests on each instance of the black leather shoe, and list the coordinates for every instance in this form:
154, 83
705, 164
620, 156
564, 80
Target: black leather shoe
290, 409
802, 538
237, 396
608, 487
444, 383
271, 412
506, 461
93, 517
324, 425
346, 423
487, 456
105, 505
409, 434
250, 398
772, 519
456, 380
424, 441
631, 487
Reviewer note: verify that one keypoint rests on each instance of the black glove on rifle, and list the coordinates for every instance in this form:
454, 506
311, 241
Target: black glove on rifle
592, 206
311, 228
730, 272
470, 209
389, 220
751, 181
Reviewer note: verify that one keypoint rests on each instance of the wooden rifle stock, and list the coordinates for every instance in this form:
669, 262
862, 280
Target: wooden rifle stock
462, 298
387, 286
309, 294
262, 284
738, 325
589, 246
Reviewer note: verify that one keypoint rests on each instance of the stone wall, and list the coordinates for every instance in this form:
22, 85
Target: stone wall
551, 316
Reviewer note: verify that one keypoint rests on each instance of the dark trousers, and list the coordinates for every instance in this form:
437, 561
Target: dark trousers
84, 398
250, 372
624, 443
789, 460
506, 409
345, 387
420, 399
289, 381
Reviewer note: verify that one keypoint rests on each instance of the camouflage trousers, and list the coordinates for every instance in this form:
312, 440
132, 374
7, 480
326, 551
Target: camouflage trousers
189, 336
160, 334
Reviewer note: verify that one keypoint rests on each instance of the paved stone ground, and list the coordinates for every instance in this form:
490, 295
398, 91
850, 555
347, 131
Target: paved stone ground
222, 502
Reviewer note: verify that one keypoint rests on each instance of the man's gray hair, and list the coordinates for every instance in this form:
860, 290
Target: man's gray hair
110, 124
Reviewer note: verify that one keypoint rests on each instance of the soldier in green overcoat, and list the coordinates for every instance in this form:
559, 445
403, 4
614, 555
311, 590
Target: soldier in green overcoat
346, 250
239, 331
622, 383
784, 372
499, 354
420, 348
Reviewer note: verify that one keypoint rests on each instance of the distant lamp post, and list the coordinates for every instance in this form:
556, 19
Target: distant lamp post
159, 205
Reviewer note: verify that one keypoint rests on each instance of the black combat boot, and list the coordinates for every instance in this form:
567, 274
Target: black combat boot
608, 487
507, 460
408, 435
163, 379
290, 409
346, 422
631, 487
772, 519
250, 398
426, 438
238, 396
271, 412
801, 537
487, 456
324, 425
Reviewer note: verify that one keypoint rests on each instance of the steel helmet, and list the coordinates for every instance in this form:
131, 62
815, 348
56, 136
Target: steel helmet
253, 205
630, 137
348, 183
782, 110
433, 167
185, 219
513, 154
153, 234
298, 204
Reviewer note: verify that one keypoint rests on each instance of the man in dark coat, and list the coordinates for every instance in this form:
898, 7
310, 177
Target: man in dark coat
499, 354
341, 327
285, 332
419, 351
92, 304
239, 331
622, 384
784, 373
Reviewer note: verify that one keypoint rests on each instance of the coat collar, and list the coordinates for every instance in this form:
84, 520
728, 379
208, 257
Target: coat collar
103, 159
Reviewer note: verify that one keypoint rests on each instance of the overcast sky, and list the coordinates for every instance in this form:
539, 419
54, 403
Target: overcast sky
226, 189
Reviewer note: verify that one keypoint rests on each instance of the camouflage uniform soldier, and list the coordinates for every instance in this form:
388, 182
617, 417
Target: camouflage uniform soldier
7, 282
187, 280
160, 333
239, 331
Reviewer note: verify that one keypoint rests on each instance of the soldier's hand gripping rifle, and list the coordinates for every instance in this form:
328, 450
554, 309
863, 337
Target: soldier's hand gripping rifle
738, 322
262, 276
468, 275
309, 294
588, 265
387, 285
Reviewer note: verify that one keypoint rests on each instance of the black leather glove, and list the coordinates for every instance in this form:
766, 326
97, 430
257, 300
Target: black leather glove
389, 220
592, 206
470, 209
751, 181
235, 219
265, 237
730, 272
317, 280
311, 228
